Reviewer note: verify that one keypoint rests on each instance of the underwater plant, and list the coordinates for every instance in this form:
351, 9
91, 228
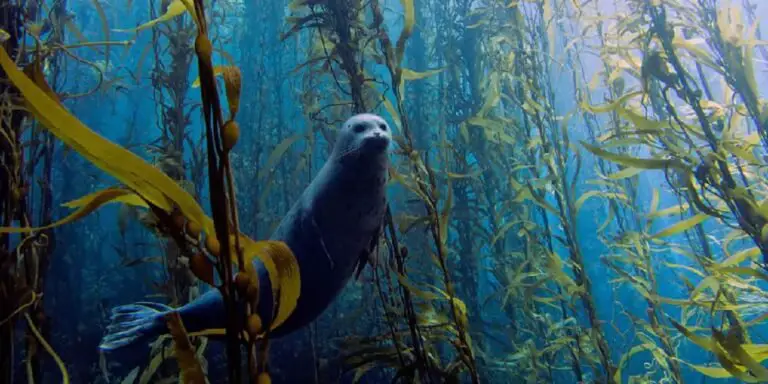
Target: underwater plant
577, 192
178, 214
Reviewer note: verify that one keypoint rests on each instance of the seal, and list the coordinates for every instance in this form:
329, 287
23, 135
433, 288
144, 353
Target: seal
332, 229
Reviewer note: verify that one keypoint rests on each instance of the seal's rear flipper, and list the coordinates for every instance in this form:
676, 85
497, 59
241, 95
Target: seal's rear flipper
131, 323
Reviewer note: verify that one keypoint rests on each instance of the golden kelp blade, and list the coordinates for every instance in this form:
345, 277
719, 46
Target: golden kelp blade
277, 154
85, 205
681, 226
190, 370
739, 360
47, 348
629, 161
147, 181
174, 9
128, 198
218, 70
283, 270
409, 14
409, 74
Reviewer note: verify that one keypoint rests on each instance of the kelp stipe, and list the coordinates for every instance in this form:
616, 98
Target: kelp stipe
411, 353
24, 259
495, 152
711, 168
176, 211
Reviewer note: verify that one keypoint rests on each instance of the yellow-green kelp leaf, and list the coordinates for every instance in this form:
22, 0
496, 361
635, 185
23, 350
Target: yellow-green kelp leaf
128, 198
190, 370
655, 199
741, 361
713, 372
175, 8
551, 24
414, 290
738, 257
86, 205
696, 52
625, 359
152, 367
681, 226
47, 347
629, 161
409, 74
149, 182
283, 270
494, 130
625, 173
603, 194
131, 378
218, 70
277, 154
409, 14
674, 210
610, 106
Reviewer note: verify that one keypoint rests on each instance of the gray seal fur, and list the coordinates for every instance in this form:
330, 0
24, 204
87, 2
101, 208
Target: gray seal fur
332, 230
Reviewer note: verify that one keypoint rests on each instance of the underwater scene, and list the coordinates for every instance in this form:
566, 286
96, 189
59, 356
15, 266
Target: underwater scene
383, 191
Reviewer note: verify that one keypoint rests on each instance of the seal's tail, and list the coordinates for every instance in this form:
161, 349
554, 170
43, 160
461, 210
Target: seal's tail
132, 323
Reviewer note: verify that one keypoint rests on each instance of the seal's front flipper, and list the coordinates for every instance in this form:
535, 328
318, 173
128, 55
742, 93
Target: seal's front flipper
132, 323
368, 255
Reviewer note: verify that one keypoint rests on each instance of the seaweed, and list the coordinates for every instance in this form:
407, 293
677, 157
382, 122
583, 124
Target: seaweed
577, 192
178, 214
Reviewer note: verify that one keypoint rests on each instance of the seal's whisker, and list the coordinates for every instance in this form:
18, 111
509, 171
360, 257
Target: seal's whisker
349, 152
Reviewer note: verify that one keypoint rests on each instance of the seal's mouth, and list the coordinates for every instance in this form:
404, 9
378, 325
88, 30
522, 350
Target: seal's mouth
376, 143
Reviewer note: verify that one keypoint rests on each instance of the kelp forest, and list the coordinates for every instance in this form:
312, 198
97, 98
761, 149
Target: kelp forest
577, 189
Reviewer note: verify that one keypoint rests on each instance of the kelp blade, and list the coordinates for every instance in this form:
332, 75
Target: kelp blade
173, 10
85, 206
147, 181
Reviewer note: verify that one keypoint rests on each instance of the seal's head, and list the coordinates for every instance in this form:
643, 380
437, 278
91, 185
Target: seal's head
363, 135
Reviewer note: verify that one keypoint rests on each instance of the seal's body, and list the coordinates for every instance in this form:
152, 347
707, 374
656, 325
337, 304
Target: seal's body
332, 230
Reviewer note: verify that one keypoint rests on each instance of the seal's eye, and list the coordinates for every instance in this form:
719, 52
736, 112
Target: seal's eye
383, 127
359, 128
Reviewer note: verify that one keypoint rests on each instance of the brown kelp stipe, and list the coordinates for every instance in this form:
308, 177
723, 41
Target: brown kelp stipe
338, 31
176, 213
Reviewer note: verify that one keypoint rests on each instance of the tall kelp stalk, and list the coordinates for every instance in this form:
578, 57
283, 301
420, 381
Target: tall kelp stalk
622, 232
220, 138
27, 157
170, 83
481, 156
270, 133
177, 214
705, 145
478, 162
39, 166
520, 108
351, 39
14, 292
461, 52
252, 40
630, 255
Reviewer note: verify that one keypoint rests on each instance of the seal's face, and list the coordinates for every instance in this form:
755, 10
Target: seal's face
364, 134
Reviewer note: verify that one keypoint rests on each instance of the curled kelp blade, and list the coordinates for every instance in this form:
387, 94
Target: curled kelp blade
145, 181
85, 206
174, 9
190, 370
150, 183
279, 261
